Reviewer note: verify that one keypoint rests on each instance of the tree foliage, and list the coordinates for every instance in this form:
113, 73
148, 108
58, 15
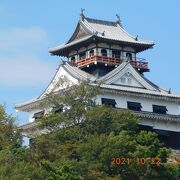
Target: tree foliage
81, 142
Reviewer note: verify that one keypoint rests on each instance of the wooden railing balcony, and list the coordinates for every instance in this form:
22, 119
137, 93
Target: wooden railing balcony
139, 64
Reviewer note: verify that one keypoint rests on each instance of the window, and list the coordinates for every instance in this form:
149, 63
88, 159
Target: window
73, 59
116, 54
159, 109
108, 102
129, 56
82, 55
123, 80
91, 102
91, 53
103, 52
38, 114
129, 81
135, 106
31, 141
126, 78
57, 109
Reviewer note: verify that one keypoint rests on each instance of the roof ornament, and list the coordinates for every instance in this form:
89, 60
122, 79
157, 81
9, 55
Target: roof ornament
103, 33
95, 33
136, 38
169, 92
118, 20
82, 14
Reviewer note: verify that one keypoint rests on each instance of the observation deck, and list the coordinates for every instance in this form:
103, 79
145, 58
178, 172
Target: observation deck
140, 64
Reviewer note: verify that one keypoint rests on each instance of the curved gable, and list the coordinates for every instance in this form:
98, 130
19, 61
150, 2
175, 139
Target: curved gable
56, 83
78, 33
126, 75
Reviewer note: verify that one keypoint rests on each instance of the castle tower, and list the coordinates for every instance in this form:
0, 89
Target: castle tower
98, 47
102, 51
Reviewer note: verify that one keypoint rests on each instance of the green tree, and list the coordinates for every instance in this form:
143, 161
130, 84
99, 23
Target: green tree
81, 141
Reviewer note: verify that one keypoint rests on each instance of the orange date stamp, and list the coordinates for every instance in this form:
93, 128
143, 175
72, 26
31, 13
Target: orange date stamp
139, 161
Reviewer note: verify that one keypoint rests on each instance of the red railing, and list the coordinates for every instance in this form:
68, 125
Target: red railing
141, 65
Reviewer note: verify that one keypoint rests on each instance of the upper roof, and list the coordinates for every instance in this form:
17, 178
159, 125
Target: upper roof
89, 29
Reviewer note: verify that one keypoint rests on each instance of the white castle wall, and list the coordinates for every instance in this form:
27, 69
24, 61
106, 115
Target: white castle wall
146, 104
162, 125
31, 114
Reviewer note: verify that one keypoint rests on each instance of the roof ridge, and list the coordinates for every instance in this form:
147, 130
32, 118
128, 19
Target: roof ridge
99, 21
79, 72
134, 89
113, 72
87, 27
144, 81
132, 36
148, 81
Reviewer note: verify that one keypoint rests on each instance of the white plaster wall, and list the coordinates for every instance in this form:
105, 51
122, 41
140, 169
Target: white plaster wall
98, 51
161, 124
146, 104
116, 47
128, 49
91, 46
109, 52
123, 55
133, 83
76, 58
31, 114
121, 101
60, 74
104, 45
133, 56
64, 73
88, 52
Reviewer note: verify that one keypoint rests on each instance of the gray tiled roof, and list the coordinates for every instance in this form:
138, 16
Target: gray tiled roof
113, 72
142, 114
63, 46
141, 91
78, 73
72, 70
27, 102
82, 75
168, 117
28, 126
120, 68
105, 30
111, 30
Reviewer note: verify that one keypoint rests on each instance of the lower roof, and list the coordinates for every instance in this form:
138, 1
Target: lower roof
142, 114
80, 75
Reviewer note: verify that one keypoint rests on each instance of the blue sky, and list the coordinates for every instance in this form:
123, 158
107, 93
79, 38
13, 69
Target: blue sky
29, 28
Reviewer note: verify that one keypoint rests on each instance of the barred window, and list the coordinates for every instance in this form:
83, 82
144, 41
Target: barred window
109, 102
135, 106
159, 109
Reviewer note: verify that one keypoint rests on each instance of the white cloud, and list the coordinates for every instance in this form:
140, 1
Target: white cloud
20, 57
18, 39
24, 71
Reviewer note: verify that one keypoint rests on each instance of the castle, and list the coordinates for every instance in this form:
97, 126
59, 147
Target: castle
102, 51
